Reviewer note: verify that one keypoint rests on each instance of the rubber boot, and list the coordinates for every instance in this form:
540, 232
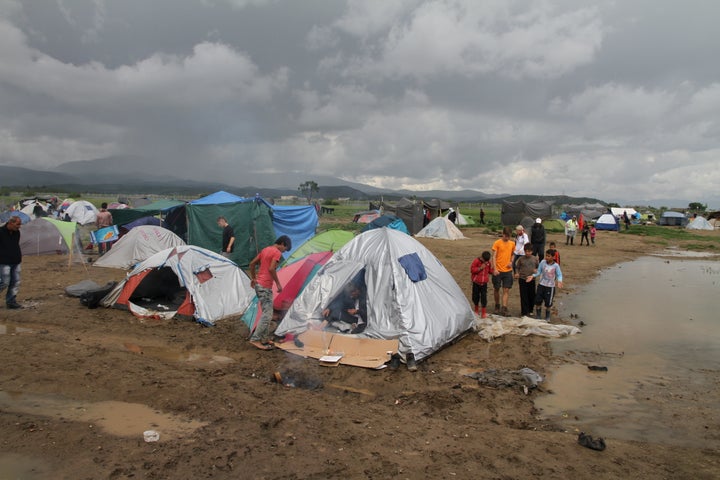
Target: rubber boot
538, 312
483, 313
547, 314
476, 309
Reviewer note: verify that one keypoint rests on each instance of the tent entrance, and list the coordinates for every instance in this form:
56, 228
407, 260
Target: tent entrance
159, 289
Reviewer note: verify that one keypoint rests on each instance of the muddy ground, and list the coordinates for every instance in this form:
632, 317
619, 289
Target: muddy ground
69, 375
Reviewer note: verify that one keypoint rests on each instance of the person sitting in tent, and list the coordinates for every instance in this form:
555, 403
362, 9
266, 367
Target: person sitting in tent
348, 311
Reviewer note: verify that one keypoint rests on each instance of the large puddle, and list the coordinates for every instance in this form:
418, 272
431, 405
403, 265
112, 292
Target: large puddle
653, 324
116, 418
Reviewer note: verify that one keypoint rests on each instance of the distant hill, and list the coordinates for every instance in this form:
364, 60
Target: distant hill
128, 175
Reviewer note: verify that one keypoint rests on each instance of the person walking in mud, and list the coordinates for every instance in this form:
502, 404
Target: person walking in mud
10, 259
550, 277
502, 276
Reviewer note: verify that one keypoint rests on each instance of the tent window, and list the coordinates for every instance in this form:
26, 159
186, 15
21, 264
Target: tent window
204, 275
413, 267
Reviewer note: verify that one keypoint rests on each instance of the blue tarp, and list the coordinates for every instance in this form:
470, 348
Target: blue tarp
218, 198
297, 222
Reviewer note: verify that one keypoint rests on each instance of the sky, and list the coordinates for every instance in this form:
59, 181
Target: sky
617, 100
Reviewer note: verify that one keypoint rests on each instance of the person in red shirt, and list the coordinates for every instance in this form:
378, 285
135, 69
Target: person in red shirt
480, 272
263, 272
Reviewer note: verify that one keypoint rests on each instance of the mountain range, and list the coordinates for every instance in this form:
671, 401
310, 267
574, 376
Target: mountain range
130, 175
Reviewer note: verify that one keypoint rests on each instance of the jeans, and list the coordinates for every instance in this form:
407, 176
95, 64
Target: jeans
265, 297
10, 279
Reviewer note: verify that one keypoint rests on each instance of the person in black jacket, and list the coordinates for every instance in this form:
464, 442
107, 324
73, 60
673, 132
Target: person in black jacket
10, 258
537, 238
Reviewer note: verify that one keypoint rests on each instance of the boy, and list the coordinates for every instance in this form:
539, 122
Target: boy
585, 234
550, 275
557, 252
525, 268
262, 282
480, 272
502, 257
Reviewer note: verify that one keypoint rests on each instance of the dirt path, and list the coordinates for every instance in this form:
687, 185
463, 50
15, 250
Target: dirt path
60, 360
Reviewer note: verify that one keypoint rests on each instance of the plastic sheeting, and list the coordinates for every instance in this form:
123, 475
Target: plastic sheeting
495, 326
139, 244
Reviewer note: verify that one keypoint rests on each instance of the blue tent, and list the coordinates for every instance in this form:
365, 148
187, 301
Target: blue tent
388, 220
5, 216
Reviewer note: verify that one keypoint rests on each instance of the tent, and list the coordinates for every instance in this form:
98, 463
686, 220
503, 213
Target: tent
618, 212
461, 219
293, 277
700, 223
5, 216
588, 210
327, 241
82, 212
514, 213
409, 211
184, 280
671, 218
607, 221
167, 213
299, 222
137, 245
411, 297
388, 220
441, 228
44, 236
366, 216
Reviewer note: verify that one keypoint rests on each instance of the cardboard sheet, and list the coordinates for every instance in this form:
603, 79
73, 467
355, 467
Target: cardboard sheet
356, 351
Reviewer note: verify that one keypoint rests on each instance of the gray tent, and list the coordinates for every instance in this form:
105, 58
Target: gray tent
524, 213
671, 218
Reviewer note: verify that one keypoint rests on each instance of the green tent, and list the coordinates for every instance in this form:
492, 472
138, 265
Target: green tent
250, 219
123, 216
328, 241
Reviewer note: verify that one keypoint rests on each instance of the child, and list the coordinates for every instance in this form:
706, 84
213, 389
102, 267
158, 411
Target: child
557, 253
585, 234
480, 272
592, 233
526, 266
550, 274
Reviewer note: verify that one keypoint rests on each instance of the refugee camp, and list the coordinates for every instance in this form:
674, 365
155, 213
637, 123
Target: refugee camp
359, 240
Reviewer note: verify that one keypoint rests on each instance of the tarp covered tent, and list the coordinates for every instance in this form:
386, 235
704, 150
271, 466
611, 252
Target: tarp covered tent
618, 212
589, 210
441, 228
299, 222
607, 221
293, 278
409, 211
387, 220
82, 212
513, 213
44, 236
699, 223
327, 241
137, 245
250, 219
671, 218
411, 297
186, 280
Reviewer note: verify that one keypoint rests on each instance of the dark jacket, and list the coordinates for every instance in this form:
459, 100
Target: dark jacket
10, 253
537, 233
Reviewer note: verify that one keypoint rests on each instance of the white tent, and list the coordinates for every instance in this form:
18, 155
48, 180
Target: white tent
441, 228
137, 245
461, 219
607, 221
411, 297
207, 285
82, 212
618, 211
700, 223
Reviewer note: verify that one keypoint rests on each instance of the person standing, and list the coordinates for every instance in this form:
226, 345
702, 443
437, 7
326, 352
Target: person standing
480, 271
525, 267
104, 220
502, 256
626, 220
482, 216
263, 273
228, 237
571, 227
538, 237
593, 231
10, 259
550, 275
521, 239
452, 216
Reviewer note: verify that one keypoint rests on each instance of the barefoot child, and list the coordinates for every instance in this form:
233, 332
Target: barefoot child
480, 272
550, 275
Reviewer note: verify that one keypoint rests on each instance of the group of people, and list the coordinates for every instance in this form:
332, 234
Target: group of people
587, 231
524, 260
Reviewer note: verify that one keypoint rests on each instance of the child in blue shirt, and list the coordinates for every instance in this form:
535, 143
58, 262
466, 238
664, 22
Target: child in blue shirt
550, 276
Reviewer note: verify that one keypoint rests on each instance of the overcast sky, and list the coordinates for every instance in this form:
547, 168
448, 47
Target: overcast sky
618, 100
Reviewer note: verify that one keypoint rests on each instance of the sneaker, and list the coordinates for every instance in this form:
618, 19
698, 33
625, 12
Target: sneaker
497, 308
410, 362
505, 312
14, 306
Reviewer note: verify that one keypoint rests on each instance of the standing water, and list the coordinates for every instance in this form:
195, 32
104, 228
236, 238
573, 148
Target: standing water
653, 323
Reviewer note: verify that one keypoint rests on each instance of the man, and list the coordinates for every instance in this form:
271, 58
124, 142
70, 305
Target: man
537, 238
348, 312
104, 220
10, 258
452, 216
502, 257
263, 273
228, 237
